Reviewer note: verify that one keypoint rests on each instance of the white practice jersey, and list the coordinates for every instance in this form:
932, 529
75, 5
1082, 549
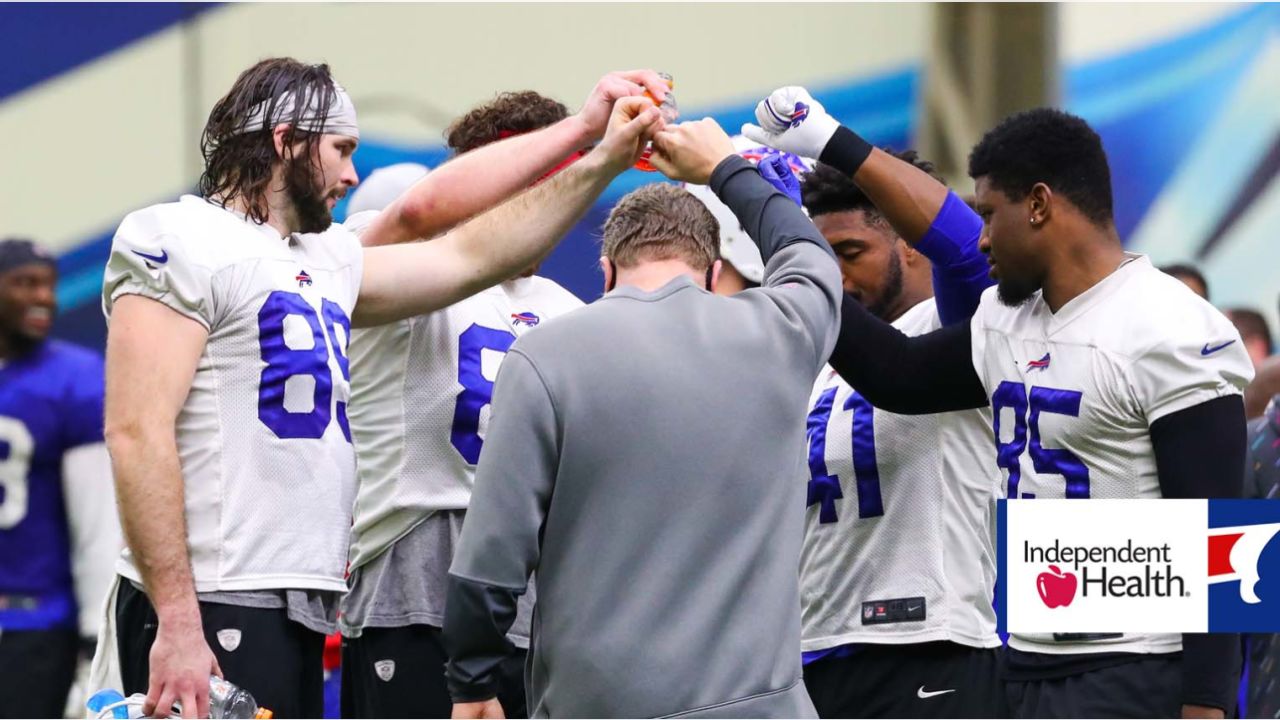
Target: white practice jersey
1075, 392
900, 527
420, 404
267, 461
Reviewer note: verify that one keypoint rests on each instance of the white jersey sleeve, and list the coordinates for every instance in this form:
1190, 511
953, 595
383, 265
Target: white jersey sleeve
1197, 356
149, 260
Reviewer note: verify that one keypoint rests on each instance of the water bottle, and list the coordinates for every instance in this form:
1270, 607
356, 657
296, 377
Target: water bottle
226, 700
670, 112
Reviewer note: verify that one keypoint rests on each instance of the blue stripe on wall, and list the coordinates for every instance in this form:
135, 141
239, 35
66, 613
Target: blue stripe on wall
37, 43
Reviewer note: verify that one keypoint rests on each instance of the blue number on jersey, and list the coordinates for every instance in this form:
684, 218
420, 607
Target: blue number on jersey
477, 390
824, 488
284, 362
864, 456
1026, 411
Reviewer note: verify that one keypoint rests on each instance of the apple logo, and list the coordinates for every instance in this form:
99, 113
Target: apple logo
1056, 588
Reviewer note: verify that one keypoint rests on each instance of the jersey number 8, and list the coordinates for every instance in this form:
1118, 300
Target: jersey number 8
284, 363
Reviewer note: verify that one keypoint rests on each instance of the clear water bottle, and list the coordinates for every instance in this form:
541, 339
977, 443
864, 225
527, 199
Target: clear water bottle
227, 700
670, 112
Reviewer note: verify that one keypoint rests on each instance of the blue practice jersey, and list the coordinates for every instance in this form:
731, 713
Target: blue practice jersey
50, 402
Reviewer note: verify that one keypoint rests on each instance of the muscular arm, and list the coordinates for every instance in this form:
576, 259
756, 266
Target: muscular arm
476, 181
145, 391
908, 375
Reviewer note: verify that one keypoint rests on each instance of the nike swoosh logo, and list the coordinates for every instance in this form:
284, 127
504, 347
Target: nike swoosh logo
1206, 350
160, 259
925, 695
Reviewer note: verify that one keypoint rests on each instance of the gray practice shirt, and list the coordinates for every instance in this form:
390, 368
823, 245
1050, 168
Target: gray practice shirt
641, 457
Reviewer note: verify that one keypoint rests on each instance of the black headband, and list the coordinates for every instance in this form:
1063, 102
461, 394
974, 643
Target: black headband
14, 253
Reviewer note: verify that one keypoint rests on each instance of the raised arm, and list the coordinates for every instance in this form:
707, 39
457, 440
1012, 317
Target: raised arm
919, 207
145, 391
406, 280
476, 181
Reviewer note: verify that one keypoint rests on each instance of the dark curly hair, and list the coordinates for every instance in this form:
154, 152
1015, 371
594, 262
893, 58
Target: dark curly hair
827, 190
1051, 147
508, 113
239, 164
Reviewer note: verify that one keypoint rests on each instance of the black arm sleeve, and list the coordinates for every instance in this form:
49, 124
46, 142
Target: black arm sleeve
1199, 452
476, 620
918, 375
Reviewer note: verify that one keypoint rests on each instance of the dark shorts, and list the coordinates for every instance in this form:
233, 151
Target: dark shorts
399, 672
1146, 686
922, 680
280, 662
37, 668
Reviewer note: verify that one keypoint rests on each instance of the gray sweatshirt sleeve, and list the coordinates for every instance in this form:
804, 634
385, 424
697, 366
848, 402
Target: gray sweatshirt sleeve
801, 275
499, 547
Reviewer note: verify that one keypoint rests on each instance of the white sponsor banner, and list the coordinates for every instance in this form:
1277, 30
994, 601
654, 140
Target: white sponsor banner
1103, 566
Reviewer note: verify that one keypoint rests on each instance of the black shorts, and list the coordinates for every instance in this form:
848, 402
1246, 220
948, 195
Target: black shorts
921, 680
37, 668
1145, 686
280, 662
399, 672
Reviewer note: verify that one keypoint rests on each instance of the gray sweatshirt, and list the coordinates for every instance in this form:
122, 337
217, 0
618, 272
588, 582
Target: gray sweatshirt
642, 456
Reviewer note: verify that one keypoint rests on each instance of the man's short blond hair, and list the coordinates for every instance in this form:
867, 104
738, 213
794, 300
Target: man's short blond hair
661, 222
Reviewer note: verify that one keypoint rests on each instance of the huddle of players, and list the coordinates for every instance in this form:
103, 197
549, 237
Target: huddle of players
932, 408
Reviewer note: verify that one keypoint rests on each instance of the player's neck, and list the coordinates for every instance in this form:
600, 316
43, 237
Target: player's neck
650, 276
281, 215
1080, 265
13, 347
907, 300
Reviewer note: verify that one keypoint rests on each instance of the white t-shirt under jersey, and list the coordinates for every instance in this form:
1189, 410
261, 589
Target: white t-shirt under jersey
904, 551
1075, 392
420, 404
267, 461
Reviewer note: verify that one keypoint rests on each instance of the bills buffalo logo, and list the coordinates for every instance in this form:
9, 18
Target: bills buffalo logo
1041, 364
801, 112
525, 318
304, 280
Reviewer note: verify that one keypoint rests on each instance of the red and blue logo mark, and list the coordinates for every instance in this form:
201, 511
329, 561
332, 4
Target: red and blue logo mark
304, 280
799, 114
1244, 566
1041, 364
525, 318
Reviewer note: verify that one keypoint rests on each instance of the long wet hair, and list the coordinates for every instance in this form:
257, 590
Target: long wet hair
238, 164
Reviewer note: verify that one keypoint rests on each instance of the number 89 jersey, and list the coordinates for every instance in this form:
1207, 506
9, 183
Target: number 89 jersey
420, 404
899, 529
1074, 394
263, 438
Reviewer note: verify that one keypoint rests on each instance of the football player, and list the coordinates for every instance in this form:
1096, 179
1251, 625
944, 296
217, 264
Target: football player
420, 406
899, 561
58, 529
1106, 378
227, 380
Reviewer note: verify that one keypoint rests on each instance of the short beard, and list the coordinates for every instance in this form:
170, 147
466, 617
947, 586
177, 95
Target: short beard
892, 288
1013, 293
308, 200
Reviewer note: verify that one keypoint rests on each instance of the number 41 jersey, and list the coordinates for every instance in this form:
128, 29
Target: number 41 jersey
263, 439
899, 533
1074, 394
421, 404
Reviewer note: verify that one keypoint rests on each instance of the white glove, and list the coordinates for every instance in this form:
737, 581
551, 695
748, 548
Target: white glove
792, 121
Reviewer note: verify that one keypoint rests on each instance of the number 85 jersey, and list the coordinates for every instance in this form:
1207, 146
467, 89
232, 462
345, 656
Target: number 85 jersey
263, 439
1074, 393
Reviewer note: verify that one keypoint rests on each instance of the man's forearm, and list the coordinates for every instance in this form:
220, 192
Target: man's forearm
149, 490
476, 181
413, 279
908, 197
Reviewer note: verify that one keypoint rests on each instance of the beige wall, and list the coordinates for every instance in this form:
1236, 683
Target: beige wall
122, 132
